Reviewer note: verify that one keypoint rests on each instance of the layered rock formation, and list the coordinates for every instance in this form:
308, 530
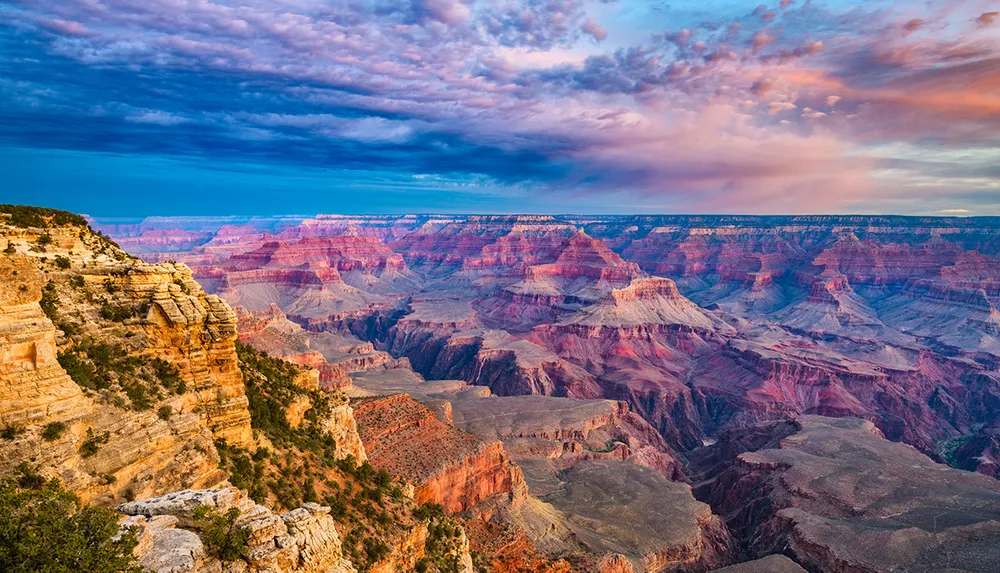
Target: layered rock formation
106, 432
448, 466
35, 388
334, 356
630, 510
561, 430
745, 320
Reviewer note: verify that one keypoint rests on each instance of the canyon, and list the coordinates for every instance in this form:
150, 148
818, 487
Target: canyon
567, 393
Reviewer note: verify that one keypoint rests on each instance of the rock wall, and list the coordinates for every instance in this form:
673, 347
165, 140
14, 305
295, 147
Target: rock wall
197, 332
34, 389
99, 446
447, 466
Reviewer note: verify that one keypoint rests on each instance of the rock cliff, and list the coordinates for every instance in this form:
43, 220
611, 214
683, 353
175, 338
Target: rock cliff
448, 466
126, 397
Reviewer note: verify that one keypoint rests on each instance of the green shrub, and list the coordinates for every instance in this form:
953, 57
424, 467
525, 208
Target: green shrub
269, 390
81, 371
93, 364
167, 375
165, 412
93, 443
62, 262
49, 301
76, 281
11, 431
45, 239
123, 312
138, 395
44, 528
429, 511
53, 431
11, 249
69, 328
220, 534
28, 216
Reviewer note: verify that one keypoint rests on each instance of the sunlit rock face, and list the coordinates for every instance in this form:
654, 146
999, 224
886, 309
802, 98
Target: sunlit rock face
72, 301
453, 468
303, 540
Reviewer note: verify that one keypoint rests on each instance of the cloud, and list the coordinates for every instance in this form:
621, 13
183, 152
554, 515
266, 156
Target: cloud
444, 11
594, 29
157, 117
521, 92
776, 107
987, 18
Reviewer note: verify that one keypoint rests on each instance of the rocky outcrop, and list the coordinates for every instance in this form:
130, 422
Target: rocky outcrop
769, 564
334, 356
448, 466
197, 332
978, 453
507, 365
343, 428
619, 507
304, 540
562, 430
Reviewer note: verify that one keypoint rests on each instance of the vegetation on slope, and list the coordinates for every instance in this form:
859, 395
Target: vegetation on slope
40, 217
43, 527
99, 365
369, 507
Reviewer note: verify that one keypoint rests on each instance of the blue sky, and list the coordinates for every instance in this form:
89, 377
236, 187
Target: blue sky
137, 107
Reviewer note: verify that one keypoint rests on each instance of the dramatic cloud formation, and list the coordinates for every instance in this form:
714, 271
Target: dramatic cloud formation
511, 105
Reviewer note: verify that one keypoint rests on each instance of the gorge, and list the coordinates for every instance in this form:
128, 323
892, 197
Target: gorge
514, 393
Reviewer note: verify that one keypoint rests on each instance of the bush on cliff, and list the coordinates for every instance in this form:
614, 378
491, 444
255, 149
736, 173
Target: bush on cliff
45, 528
27, 216
271, 389
220, 534
49, 301
94, 365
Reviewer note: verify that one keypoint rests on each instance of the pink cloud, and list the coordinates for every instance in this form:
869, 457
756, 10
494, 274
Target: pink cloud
594, 29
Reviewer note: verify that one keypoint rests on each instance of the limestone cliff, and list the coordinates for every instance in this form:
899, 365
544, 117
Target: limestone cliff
35, 388
115, 375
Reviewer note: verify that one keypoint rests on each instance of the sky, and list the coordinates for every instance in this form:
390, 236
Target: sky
186, 107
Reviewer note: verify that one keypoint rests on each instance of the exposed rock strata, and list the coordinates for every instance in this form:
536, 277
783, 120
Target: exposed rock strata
448, 466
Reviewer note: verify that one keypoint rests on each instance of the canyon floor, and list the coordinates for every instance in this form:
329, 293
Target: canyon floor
605, 394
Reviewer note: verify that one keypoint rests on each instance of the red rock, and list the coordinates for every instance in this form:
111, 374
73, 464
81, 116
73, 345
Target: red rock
448, 466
